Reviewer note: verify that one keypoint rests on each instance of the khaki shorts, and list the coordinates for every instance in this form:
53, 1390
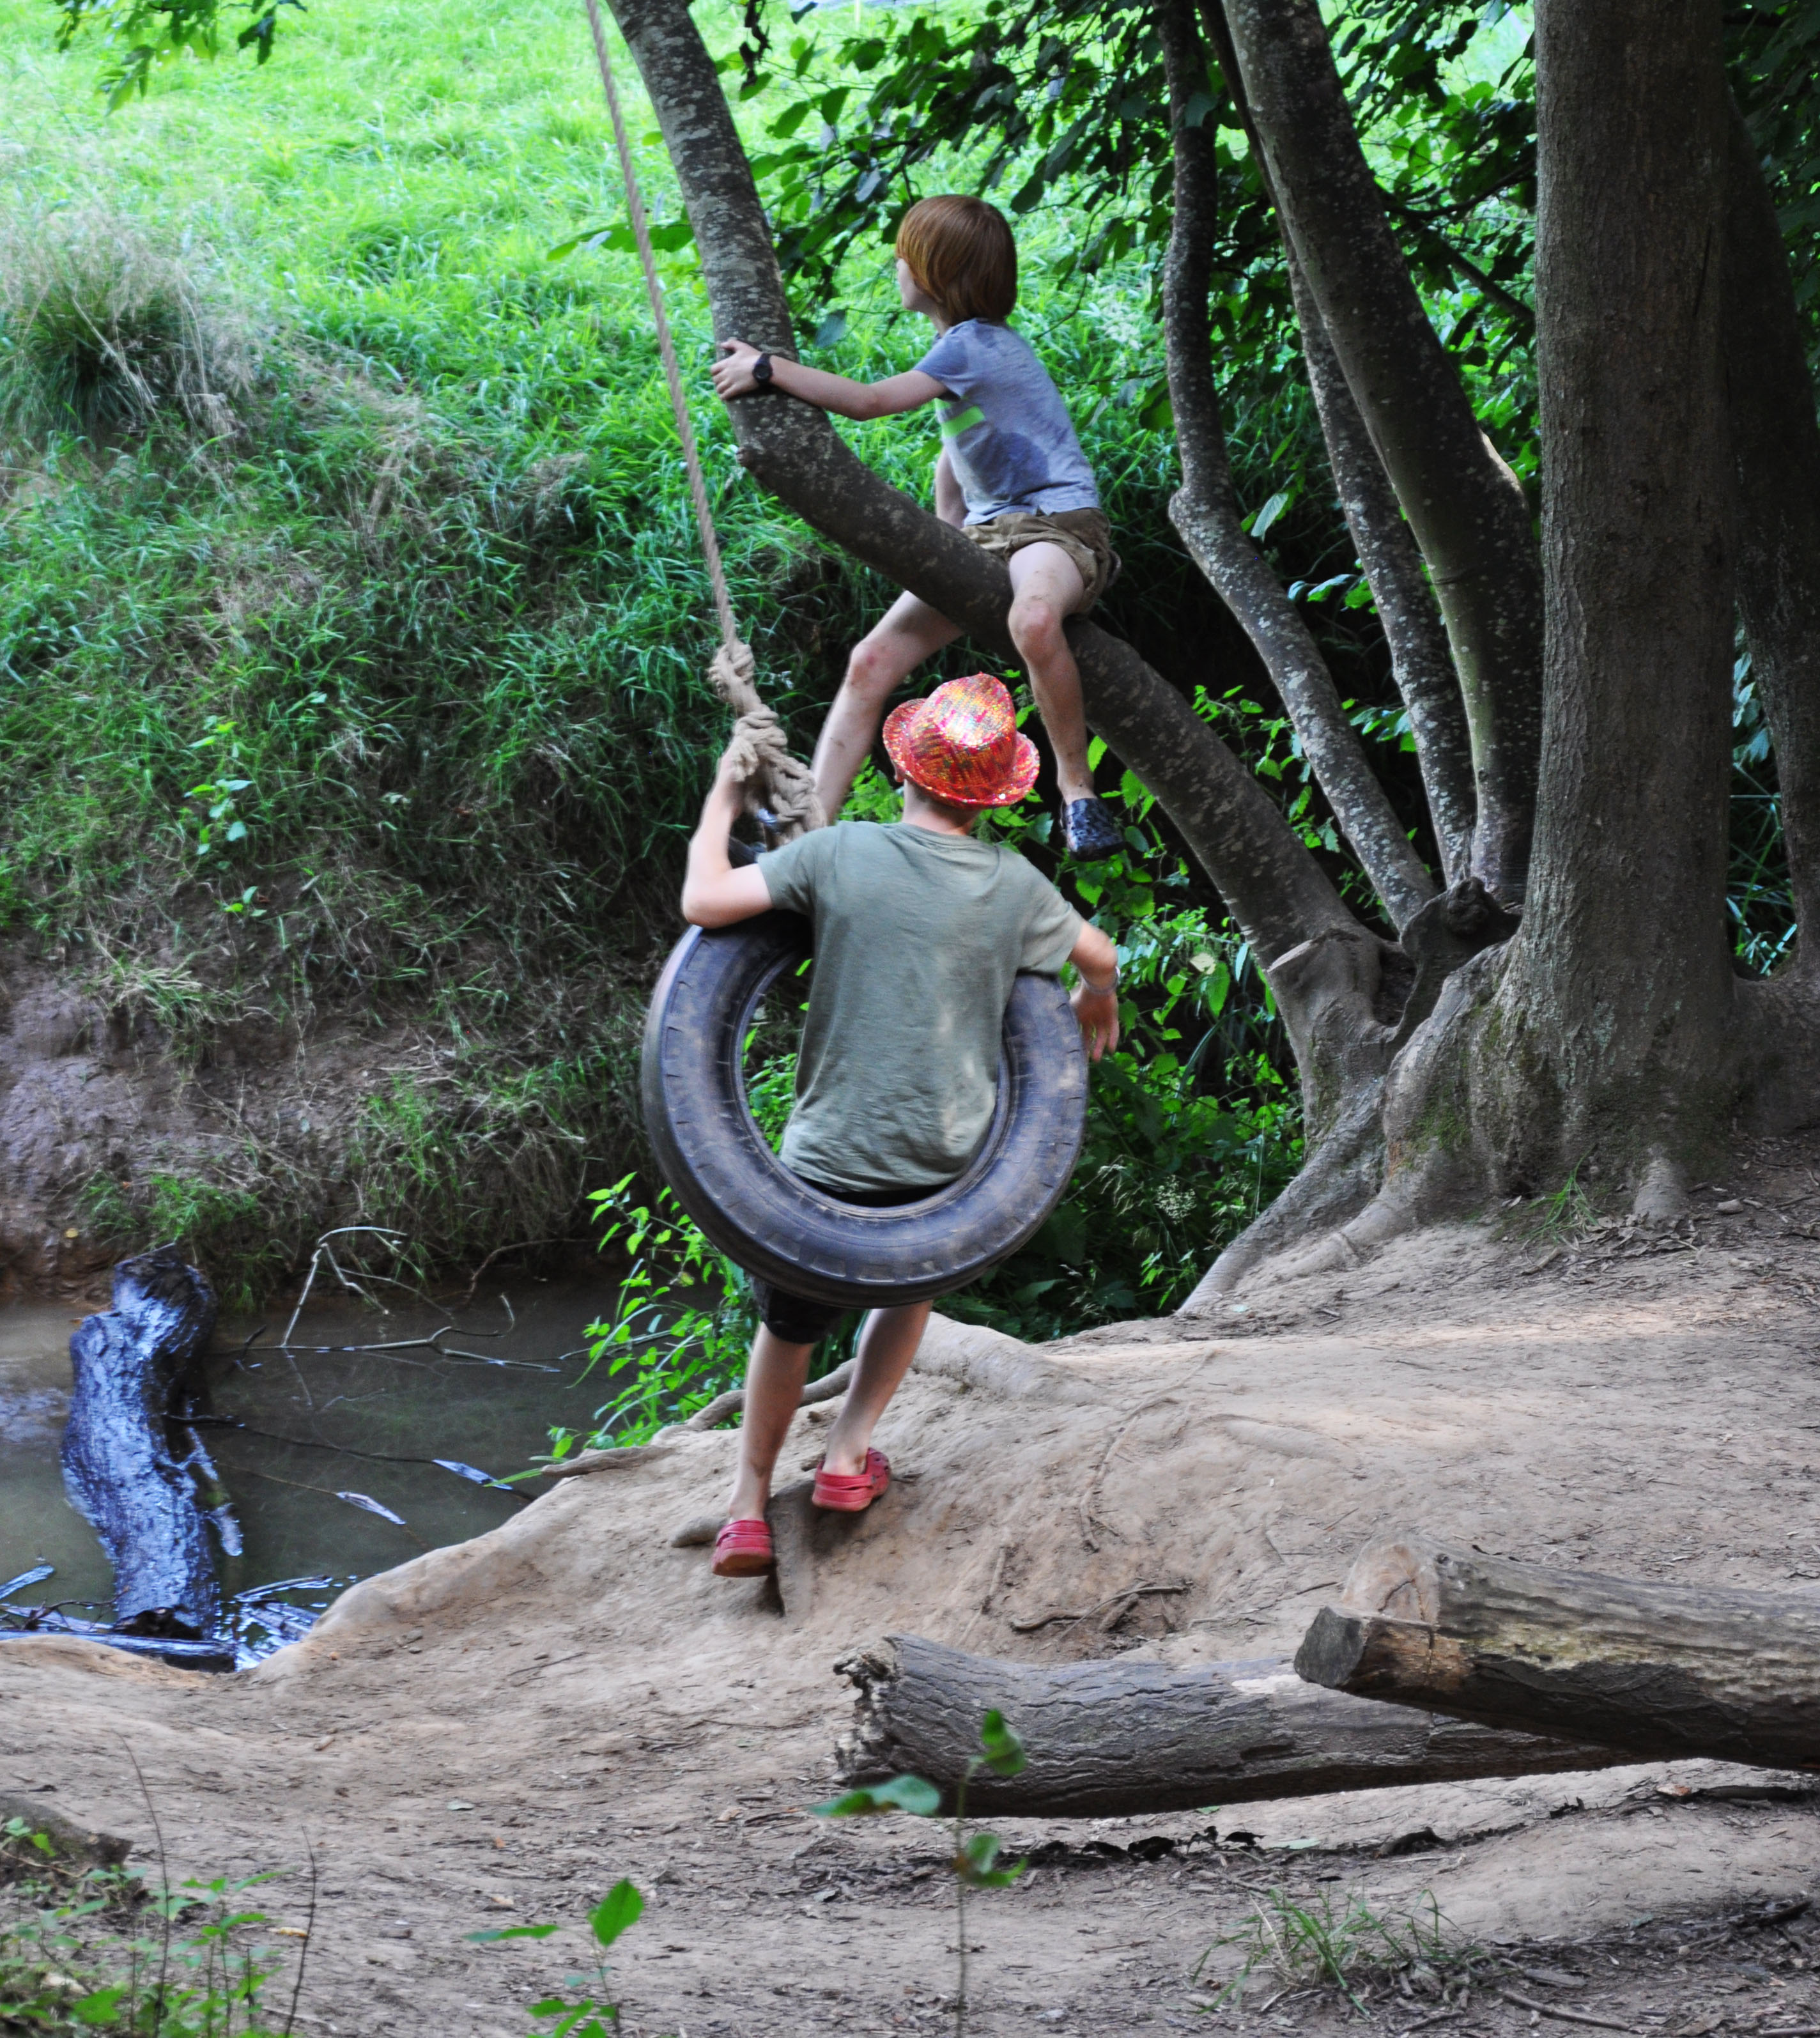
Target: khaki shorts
1084, 534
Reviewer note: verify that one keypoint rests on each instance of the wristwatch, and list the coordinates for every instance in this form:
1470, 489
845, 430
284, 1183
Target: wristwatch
761, 371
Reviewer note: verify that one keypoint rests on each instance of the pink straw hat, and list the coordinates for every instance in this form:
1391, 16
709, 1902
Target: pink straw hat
962, 745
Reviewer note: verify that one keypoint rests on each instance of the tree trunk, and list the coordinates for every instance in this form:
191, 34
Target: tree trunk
1662, 1672
1119, 1739
1775, 444
1205, 510
1604, 1036
1276, 891
118, 1466
1466, 507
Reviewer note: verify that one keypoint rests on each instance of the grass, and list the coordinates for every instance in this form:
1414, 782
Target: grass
1343, 1947
366, 706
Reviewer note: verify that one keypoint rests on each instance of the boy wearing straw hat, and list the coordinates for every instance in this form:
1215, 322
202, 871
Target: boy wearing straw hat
919, 932
1011, 474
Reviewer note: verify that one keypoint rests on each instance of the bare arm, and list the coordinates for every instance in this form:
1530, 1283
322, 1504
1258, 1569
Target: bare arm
1095, 999
846, 399
950, 504
714, 894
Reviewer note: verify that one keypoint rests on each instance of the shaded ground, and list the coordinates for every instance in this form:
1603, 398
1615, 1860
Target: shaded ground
498, 1731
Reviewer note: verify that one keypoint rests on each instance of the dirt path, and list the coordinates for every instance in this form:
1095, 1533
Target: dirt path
498, 1731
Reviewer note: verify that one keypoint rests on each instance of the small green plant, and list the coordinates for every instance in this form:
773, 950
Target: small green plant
200, 1973
622, 1907
1304, 1942
974, 1861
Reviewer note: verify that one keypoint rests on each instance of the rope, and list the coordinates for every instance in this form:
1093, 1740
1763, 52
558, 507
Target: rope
759, 751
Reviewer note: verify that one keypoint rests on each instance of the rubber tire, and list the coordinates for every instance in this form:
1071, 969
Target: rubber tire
772, 1223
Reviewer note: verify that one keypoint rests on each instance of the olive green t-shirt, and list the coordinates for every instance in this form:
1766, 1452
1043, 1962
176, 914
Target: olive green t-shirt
918, 937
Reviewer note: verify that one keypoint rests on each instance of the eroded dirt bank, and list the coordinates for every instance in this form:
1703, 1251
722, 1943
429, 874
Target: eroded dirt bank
496, 1732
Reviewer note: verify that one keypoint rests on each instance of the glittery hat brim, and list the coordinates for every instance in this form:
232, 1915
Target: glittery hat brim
926, 772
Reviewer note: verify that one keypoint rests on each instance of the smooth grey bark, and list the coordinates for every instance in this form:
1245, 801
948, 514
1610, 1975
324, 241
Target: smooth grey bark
1205, 510
1658, 1671
1776, 445
1465, 507
1421, 663
1119, 1739
1276, 892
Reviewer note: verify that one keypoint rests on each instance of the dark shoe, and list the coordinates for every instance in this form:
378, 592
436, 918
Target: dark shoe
1090, 831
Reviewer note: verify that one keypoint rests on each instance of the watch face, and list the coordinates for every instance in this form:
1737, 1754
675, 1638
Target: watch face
761, 369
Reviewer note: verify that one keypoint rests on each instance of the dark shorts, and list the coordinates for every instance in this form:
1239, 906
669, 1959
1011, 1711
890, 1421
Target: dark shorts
795, 1319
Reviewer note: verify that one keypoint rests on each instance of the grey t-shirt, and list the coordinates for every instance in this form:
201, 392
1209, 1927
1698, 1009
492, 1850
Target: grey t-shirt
918, 937
1009, 438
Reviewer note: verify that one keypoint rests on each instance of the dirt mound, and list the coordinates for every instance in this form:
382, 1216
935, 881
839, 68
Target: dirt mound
501, 1728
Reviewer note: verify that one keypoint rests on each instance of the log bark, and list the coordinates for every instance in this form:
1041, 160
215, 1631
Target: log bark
118, 1468
1119, 1739
1465, 507
1205, 510
1276, 890
1658, 1671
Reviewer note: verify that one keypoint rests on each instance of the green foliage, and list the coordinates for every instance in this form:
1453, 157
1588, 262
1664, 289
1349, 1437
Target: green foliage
73, 1962
216, 1225
974, 1861
99, 330
1301, 1942
621, 1908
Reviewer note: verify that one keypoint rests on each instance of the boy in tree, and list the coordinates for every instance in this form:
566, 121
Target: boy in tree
919, 932
1011, 474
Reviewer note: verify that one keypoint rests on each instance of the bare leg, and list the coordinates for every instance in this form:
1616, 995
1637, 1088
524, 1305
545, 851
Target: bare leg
909, 631
773, 1388
887, 1344
1046, 588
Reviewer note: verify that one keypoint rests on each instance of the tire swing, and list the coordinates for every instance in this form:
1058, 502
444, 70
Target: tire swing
707, 1143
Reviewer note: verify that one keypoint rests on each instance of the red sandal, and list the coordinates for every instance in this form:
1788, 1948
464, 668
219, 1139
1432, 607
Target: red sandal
743, 1550
852, 1493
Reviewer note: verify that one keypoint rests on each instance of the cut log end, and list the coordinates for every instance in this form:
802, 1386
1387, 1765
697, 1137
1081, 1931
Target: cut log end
1657, 1672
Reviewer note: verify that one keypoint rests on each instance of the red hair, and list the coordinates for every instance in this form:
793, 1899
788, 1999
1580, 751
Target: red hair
961, 252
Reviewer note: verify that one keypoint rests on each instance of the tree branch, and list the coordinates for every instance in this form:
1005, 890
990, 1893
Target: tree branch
1776, 445
1464, 504
1421, 663
1276, 891
1205, 511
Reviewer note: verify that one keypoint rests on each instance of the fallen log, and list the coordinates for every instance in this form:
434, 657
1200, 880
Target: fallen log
1658, 1671
118, 1468
1116, 1739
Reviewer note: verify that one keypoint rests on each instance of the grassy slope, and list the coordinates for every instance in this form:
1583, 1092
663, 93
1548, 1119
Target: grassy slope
434, 612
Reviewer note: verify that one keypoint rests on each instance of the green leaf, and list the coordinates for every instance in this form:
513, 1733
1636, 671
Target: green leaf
913, 1794
1005, 1751
620, 1907
512, 1932
102, 2007
976, 1866
1273, 509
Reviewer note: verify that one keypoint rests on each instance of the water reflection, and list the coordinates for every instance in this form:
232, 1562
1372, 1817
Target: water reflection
335, 1462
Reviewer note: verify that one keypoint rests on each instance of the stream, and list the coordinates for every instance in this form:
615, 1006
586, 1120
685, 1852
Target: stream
291, 1432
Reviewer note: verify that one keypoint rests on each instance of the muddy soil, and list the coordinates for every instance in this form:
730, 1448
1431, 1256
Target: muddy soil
496, 1732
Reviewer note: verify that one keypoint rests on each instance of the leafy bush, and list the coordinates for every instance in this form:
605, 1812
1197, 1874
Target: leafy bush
99, 330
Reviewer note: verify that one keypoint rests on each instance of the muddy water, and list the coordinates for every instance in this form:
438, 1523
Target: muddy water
291, 1431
